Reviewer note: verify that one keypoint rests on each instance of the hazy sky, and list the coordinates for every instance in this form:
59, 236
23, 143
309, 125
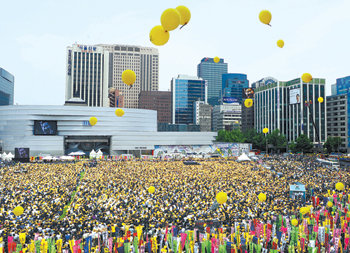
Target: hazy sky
35, 34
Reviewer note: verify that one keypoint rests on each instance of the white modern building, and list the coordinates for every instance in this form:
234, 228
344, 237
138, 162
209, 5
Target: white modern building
87, 74
144, 61
58, 130
202, 115
227, 117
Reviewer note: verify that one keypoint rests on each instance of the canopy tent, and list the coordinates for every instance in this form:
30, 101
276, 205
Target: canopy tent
77, 153
242, 158
93, 154
67, 157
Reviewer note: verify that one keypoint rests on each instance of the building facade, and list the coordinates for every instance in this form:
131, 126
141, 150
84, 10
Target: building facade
247, 117
185, 90
135, 132
144, 61
212, 72
202, 115
227, 117
159, 101
337, 119
7, 86
232, 86
87, 74
282, 105
343, 88
116, 99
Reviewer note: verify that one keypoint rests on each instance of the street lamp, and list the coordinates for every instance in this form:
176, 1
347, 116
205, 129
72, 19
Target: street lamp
265, 131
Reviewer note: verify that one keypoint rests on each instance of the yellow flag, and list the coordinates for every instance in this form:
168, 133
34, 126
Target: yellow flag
22, 238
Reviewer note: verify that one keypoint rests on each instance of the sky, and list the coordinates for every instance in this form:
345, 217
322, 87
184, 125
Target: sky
34, 36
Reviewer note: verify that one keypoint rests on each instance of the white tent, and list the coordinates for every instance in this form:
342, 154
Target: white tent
10, 155
93, 154
242, 158
77, 153
67, 157
3, 155
99, 154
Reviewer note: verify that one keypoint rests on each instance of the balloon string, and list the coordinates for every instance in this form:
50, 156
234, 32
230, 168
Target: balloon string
183, 26
269, 25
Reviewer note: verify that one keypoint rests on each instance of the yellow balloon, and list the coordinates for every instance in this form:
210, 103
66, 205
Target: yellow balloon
262, 197
248, 103
185, 14
339, 186
320, 99
128, 77
151, 189
329, 204
265, 17
221, 197
93, 121
265, 130
18, 210
159, 36
295, 222
119, 112
170, 19
216, 59
280, 43
306, 77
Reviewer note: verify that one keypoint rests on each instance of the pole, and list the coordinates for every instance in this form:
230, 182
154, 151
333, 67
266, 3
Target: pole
266, 144
313, 124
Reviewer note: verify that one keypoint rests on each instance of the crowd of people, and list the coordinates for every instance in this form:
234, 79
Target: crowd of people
107, 207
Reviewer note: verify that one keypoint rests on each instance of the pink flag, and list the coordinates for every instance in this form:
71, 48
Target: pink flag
183, 240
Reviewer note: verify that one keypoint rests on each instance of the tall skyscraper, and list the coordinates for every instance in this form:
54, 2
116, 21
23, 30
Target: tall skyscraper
282, 105
87, 74
185, 90
144, 61
159, 101
232, 86
6, 87
212, 72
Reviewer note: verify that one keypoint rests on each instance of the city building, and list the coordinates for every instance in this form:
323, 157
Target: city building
227, 117
286, 106
337, 119
334, 89
343, 88
87, 74
232, 86
144, 61
167, 127
159, 101
7, 87
202, 115
212, 72
59, 130
116, 99
185, 90
247, 117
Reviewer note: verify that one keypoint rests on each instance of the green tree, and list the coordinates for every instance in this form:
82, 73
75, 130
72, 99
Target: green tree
302, 144
249, 135
259, 141
236, 135
332, 144
277, 140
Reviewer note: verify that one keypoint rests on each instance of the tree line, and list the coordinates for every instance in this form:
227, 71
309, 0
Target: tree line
276, 142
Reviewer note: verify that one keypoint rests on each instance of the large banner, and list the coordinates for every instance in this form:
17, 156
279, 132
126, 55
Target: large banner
224, 149
294, 96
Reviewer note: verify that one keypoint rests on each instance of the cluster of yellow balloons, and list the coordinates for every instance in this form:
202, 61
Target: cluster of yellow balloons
170, 19
18, 210
221, 197
339, 186
265, 130
262, 197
